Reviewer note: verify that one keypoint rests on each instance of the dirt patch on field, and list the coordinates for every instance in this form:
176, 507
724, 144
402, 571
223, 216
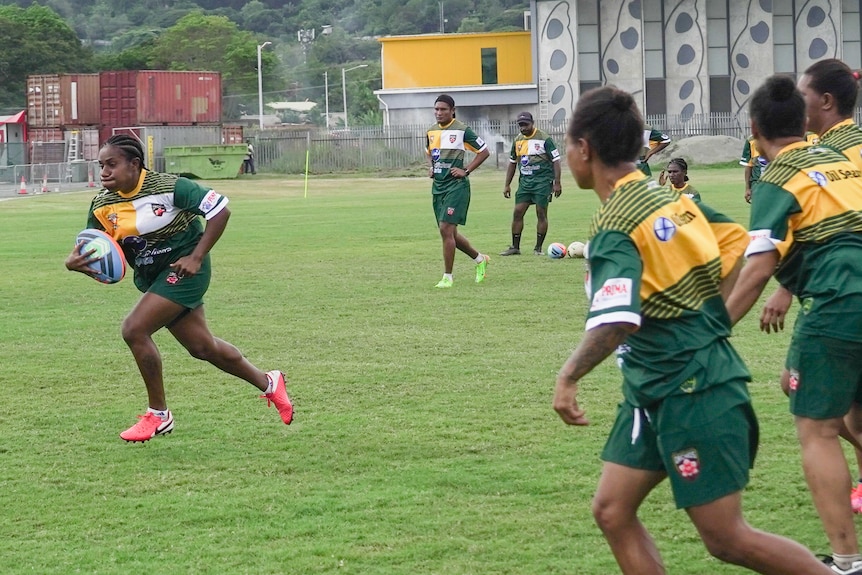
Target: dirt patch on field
700, 150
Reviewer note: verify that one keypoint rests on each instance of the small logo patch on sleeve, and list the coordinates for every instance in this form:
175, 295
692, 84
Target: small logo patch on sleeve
210, 201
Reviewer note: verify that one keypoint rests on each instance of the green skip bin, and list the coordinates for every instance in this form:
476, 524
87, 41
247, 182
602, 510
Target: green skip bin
210, 162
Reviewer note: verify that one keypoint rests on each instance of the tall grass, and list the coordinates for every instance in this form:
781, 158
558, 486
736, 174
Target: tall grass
424, 441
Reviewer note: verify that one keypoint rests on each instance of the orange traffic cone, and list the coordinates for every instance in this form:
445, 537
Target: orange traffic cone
23, 189
44, 184
90, 182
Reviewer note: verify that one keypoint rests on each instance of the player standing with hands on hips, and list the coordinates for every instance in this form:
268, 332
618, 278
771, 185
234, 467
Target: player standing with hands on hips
446, 144
659, 264
155, 217
537, 159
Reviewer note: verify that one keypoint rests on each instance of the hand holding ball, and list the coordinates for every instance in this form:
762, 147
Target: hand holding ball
108, 261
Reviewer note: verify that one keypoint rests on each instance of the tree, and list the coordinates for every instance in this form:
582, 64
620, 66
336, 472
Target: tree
200, 42
36, 41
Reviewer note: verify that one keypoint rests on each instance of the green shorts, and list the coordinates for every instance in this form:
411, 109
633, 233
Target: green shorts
706, 442
451, 207
187, 291
825, 376
538, 198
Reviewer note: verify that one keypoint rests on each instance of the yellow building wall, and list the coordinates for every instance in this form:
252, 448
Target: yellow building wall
430, 61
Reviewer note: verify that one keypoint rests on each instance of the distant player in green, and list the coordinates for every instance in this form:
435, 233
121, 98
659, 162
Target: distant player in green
446, 144
537, 160
156, 218
676, 178
754, 164
806, 229
654, 142
658, 266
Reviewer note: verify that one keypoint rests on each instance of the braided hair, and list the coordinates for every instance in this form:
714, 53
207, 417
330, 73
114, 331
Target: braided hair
130, 146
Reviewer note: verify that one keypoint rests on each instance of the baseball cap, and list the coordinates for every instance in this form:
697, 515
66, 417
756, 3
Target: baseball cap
525, 117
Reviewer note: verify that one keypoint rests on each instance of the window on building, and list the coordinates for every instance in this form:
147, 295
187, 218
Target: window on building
718, 56
589, 40
654, 61
850, 30
489, 65
784, 37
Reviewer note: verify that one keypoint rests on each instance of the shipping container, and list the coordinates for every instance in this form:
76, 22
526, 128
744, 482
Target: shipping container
232, 134
156, 138
57, 100
83, 142
142, 97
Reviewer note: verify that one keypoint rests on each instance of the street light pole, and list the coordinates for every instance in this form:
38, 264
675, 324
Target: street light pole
344, 88
326, 89
260, 85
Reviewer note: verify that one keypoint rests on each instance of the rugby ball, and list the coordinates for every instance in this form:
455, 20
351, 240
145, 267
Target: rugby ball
576, 250
110, 263
556, 251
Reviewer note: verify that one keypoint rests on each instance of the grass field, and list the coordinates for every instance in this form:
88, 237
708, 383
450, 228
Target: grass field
424, 440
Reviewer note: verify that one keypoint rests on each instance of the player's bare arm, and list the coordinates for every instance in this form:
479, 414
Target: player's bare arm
598, 343
752, 280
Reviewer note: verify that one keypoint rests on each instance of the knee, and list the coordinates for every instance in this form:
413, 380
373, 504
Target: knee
131, 331
726, 548
609, 515
200, 350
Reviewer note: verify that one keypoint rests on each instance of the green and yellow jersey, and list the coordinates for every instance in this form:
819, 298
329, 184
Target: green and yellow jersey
447, 146
846, 137
656, 260
535, 156
808, 207
158, 222
751, 158
686, 190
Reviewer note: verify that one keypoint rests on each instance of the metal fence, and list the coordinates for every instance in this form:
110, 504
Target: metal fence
370, 148
50, 177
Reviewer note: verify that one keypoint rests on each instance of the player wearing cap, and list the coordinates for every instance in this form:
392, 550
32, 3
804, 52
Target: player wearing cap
537, 159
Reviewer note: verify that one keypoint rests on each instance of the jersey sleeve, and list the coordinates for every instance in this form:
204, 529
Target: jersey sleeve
191, 196
771, 210
513, 157
731, 236
656, 137
551, 150
613, 281
473, 142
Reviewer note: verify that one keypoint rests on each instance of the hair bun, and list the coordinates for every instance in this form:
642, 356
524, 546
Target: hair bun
782, 88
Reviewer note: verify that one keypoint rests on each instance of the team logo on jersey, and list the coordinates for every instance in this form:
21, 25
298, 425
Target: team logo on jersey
435, 154
818, 177
173, 278
687, 463
158, 209
114, 219
135, 243
762, 162
450, 211
537, 147
452, 138
615, 292
793, 381
664, 229
525, 160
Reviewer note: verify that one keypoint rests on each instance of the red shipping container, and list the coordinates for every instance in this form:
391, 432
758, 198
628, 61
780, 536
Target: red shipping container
35, 134
57, 100
141, 97
231, 134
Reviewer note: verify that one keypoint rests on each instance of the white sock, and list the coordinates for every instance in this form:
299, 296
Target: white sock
479, 259
270, 385
448, 276
163, 414
845, 561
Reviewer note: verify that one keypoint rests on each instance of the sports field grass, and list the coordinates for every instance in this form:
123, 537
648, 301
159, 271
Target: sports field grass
424, 440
